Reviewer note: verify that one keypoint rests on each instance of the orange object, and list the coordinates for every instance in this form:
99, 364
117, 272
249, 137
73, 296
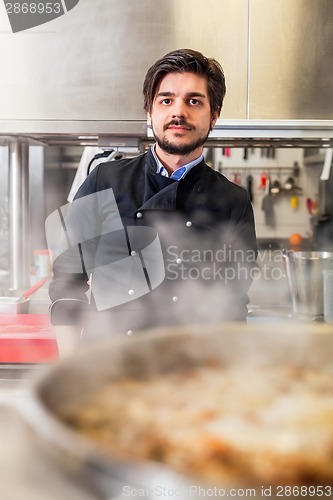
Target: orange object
295, 240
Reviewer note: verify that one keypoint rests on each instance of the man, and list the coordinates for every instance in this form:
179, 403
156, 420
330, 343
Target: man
203, 222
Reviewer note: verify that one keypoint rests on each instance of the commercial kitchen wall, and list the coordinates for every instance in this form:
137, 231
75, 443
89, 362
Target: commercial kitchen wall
61, 168
288, 220
60, 171
50, 188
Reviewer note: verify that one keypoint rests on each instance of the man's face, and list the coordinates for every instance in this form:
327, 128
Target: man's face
181, 114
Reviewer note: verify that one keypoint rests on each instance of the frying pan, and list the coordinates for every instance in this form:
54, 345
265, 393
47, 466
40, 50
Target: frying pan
148, 353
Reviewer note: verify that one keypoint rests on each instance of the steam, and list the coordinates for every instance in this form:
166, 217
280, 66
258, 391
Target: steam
167, 272
206, 280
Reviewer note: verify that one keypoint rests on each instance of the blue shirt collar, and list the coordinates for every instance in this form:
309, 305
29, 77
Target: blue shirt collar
180, 172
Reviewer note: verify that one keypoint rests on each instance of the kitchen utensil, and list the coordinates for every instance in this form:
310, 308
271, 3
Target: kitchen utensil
19, 305
160, 351
249, 186
263, 181
275, 187
304, 272
315, 207
34, 288
289, 183
296, 169
309, 205
267, 205
294, 202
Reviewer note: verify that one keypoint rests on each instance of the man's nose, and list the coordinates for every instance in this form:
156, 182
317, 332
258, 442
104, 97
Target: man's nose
179, 109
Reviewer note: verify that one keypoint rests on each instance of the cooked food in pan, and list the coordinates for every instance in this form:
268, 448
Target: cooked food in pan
271, 425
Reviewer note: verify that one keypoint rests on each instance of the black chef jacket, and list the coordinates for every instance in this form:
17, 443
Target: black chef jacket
205, 227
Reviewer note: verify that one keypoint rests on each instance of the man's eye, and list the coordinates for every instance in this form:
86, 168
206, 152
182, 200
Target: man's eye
166, 101
194, 102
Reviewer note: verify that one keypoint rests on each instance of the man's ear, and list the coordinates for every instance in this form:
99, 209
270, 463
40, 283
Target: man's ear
214, 119
148, 118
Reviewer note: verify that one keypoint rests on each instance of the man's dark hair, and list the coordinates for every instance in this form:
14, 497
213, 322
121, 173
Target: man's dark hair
186, 61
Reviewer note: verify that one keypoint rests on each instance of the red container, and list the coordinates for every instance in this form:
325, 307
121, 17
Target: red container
27, 338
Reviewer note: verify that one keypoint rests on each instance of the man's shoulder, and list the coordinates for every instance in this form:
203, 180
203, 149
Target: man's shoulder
124, 164
115, 174
220, 181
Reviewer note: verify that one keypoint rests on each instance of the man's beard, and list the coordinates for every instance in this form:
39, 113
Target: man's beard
183, 149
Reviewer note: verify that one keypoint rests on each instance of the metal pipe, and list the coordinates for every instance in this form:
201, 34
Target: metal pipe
18, 201
25, 215
248, 82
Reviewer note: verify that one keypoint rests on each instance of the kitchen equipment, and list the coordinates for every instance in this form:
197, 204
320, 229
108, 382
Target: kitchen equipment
323, 220
249, 186
267, 204
158, 351
294, 202
275, 187
304, 272
325, 174
19, 305
14, 305
43, 263
328, 295
309, 205
289, 183
26, 339
263, 181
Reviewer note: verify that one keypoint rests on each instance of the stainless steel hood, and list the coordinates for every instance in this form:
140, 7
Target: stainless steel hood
136, 133
78, 78
273, 133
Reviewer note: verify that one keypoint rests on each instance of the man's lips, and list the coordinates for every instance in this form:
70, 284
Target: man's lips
179, 127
